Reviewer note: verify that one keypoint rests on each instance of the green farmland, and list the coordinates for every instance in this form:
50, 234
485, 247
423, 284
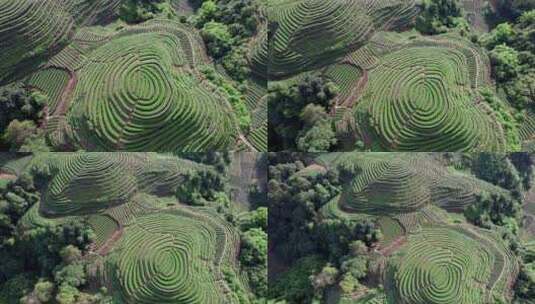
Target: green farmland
406, 228
136, 90
399, 75
126, 76
132, 228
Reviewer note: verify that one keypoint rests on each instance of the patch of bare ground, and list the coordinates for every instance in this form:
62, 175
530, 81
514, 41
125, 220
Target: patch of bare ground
393, 246
350, 101
108, 245
314, 168
64, 103
7, 176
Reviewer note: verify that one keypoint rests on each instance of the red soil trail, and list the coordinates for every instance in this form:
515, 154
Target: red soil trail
108, 245
315, 168
44, 121
7, 176
392, 247
64, 103
356, 91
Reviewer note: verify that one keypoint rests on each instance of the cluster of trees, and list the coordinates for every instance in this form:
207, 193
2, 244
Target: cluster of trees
498, 169
511, 9
226, 27
21, 110
235, 97
253, 253
524, 163
512, 53
505, 118
440, 16
15, 199
353, 267
324, 253
495, 209
219, 160
525, 282
298, 118
503, 211
40, 264
295, 285
68, 277
136, 11
513, 171
201, 187
295, 200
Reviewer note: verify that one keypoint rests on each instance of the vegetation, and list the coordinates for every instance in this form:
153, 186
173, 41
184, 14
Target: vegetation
511, 53
158, 104
411, 75
299, 43
234, 96
400, 228
126, 74
254, 258
295, 284
97, 227
324, 250
49, 257
426, 272
494, 209
457, 122
298, 115
511, 9
438, 16
136, 11
162, 264
20, 112
42, 29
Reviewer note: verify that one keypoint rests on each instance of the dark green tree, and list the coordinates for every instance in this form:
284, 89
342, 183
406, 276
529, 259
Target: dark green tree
286, 105
497, 169
438, 16
317, 134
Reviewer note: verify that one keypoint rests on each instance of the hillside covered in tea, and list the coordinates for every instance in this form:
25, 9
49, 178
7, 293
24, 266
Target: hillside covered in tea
400, 75
355, 228
132, 228
130, 75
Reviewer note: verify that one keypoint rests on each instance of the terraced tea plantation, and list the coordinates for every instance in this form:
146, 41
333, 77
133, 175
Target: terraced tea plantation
403, 183
173, 257
136, 93
28, 29
89, 182
399, 229
116, 86
443, 265
313, 33
32, 31
398, 89
147, 245
425, 97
